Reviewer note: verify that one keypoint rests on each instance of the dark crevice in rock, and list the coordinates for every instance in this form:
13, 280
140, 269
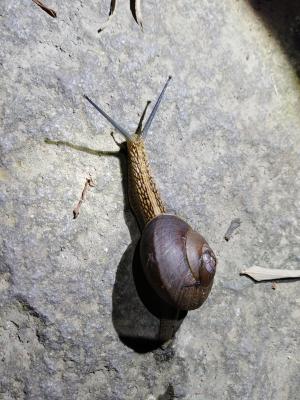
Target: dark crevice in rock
169, 393
28, 308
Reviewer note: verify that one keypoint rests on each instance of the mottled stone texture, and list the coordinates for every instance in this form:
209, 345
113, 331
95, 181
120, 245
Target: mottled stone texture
225, 145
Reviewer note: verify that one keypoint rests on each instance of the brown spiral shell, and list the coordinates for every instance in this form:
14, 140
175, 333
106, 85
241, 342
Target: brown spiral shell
177, 261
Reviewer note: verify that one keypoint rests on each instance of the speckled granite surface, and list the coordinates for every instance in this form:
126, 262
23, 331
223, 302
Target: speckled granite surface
225, 145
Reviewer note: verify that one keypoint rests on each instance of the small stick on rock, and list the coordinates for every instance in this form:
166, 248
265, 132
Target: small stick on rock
235, 223
52, 13
88, 183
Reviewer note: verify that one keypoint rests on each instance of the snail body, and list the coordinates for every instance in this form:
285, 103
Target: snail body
177, 261
143, 195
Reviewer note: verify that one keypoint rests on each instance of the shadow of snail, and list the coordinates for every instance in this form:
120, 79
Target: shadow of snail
282, 19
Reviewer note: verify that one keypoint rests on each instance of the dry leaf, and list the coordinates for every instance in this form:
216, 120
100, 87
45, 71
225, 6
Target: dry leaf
135, 7
266, 274
235, 223
113, 5
52, 13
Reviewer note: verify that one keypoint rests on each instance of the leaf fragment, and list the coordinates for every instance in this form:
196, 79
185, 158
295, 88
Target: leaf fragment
48, 10
265, 274
135, 7
235, 223
113, 5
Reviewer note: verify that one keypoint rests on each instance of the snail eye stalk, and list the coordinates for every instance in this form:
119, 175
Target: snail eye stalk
139, 129
155, 108
114, 123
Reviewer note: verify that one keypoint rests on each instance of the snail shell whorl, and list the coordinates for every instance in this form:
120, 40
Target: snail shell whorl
177, 261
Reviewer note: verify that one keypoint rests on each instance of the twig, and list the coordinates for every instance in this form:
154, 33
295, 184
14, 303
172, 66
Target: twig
88, 183
235, 223
49, 11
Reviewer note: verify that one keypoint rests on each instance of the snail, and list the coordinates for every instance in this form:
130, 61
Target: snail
177, 261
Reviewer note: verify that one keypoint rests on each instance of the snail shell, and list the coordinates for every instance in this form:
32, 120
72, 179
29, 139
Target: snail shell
177, 261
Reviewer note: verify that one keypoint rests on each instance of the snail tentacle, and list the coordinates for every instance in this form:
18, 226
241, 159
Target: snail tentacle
155, 108
113, 122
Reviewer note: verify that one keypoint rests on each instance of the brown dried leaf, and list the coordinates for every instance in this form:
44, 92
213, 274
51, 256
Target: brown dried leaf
49, 11
266, 274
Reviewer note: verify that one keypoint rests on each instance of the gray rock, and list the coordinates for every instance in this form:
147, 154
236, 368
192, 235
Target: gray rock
224, 145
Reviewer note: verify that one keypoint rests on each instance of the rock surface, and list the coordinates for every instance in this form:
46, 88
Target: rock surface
225, 145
